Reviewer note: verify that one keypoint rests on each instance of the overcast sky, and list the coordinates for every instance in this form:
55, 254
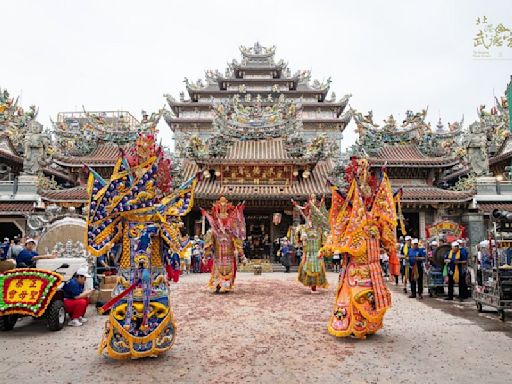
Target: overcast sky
390, 55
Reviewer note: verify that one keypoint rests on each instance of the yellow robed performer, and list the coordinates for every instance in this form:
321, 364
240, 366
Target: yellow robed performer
361, 223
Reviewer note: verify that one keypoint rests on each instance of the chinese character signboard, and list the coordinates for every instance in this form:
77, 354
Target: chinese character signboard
27, 291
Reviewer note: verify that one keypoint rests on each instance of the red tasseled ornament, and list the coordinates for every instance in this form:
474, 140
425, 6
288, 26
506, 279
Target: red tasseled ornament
163, 175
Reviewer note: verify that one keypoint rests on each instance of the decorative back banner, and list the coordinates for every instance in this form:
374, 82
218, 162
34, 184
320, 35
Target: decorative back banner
445, 226
27, 291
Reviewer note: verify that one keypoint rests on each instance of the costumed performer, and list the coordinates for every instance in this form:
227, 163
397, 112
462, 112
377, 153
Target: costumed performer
225, 244
138, 209
311, 271
362, 221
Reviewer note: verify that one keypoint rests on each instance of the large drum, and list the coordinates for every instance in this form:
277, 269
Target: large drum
440, 254
65, 230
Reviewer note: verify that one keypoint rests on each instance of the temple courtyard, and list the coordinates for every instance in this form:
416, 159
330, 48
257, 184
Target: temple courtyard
273, 330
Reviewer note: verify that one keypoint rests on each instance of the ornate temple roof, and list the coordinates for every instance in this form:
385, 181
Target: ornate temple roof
104, 155
14, 119
273, 150
504, 152
419, 194
257, 73
407, 156
414, 131
78, 134
257, 133
8, 151
76, 194
8, 208
213, 189
488, 207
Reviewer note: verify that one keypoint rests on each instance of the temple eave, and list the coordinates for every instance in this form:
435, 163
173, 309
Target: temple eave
407, 164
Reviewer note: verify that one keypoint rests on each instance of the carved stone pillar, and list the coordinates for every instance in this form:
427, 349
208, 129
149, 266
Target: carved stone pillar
422, 233
475, 229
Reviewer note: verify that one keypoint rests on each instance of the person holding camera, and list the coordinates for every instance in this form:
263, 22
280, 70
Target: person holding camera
76, 298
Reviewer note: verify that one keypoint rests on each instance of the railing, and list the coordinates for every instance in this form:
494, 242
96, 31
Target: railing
16, 190
494, 187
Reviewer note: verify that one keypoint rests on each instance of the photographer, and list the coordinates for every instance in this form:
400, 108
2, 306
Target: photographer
75, 298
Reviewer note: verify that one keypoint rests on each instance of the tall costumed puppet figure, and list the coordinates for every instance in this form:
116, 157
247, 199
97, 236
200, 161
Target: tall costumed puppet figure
138, 209
362, 220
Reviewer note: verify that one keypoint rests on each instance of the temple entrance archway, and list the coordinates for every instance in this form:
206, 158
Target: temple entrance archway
258, 236
412, 224
10, 229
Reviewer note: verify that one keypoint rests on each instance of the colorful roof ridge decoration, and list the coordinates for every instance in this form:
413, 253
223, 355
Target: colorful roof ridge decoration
239, 120
13, 119
27, 291
413, 131
257, 59
79, 134
254, 132
495, 122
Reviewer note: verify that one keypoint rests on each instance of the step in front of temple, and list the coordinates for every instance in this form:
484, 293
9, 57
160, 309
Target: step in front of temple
266, 266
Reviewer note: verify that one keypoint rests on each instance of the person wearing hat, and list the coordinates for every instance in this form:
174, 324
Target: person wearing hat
416, 256
28, 256
457, 260
285, 254
76, 298
403, 261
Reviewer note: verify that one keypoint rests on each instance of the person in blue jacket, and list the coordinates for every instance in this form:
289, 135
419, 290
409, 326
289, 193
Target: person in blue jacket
76, 298
28, 256
456, 261
416, 256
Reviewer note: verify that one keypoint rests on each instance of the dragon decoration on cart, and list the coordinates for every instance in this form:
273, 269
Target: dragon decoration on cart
225, 243
362, 220
137, 209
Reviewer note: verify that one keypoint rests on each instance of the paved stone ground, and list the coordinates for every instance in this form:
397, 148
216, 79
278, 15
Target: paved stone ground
272, 330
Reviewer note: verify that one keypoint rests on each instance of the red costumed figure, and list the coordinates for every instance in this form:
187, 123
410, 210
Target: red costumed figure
225, 243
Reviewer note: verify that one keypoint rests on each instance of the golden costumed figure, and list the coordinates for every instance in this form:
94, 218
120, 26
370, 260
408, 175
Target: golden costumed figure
225, 243
312, 235
362, 221
137, 209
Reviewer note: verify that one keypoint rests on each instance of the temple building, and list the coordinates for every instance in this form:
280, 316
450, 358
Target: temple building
261, 135
416, 158
258, 78
39, 169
